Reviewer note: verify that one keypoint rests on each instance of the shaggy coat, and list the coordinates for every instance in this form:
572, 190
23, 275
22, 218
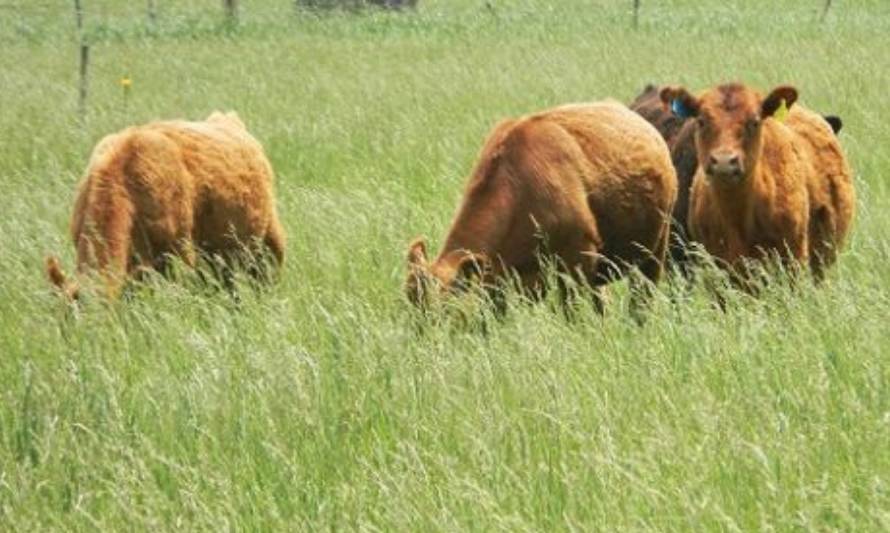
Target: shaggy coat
590, 185
764, 186
172, 189
679, 133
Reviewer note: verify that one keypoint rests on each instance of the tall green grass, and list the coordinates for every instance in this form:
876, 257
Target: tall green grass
321, 403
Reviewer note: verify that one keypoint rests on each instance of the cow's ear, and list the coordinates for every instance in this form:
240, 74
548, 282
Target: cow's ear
417, 252
679, 101
772, 103
835, 122
472, 268
418, 280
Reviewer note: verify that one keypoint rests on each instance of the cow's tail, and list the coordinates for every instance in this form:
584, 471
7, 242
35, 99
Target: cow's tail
57, 277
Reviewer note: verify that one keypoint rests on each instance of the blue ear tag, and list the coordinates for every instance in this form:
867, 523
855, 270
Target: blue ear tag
679, 109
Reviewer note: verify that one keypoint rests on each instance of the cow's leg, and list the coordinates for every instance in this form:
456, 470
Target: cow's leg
652, 265
104, 244
184, 248
822, 242
581, 260
264, 255
144, 255
155, 245
275, 242
651, 268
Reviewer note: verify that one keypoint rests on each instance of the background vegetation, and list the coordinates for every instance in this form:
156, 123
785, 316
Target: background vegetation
319, 404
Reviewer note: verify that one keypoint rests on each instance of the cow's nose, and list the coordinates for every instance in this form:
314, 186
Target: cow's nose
724, 164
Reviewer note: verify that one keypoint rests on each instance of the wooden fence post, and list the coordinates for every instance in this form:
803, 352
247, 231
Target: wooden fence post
825, 10
78, 16
152, 11
84, 79
84, 63
231, 7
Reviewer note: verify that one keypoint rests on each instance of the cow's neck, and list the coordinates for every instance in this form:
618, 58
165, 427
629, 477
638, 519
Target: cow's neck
483, 219
468, 235
742, 203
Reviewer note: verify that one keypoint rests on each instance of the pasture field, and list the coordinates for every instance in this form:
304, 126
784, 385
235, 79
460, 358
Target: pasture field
320, 404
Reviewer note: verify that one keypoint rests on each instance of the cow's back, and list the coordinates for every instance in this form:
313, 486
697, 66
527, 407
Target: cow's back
617, 161
633, 186
622, 148
229, 173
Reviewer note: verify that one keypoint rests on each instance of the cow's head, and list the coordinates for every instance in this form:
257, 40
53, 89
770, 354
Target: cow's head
729, 119
454, 272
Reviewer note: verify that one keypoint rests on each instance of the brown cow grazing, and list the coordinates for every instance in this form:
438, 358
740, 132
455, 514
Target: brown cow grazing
590, 185
765, 184
172, 189
679, 133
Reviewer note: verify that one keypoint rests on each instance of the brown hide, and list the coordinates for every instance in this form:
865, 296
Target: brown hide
765, 186
830, 187
590, 185
679, 133
171, 189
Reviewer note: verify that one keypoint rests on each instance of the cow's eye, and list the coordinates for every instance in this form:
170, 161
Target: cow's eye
705, 126
751, 126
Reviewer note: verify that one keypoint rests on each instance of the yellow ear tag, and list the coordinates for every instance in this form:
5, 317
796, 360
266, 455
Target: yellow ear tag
781, 112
